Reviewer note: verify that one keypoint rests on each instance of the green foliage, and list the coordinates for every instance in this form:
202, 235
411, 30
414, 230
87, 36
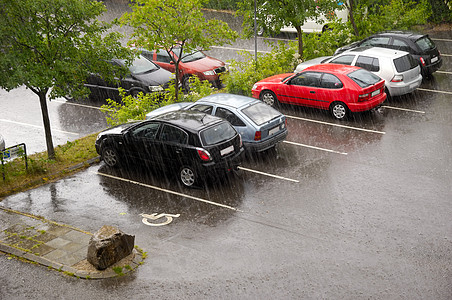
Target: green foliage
135, 108
243, 74
325, 44
175, 24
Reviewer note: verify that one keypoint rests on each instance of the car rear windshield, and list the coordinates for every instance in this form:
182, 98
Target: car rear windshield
217, 134
425, 43
405, 63
260, 113
141, 65
364, 78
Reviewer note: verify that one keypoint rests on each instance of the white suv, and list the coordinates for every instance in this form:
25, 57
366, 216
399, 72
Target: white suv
400, 71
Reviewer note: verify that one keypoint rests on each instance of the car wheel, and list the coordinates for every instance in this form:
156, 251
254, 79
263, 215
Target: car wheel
268, 97
186, 83
187, 176
110, 157
339, 110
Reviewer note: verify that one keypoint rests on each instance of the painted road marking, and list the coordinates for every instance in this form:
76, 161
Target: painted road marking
154, 216
316, 148
444, 72
404, 109
36, 126
337, 125
267, 174
434, 91
78, 104
168, 191
239, 49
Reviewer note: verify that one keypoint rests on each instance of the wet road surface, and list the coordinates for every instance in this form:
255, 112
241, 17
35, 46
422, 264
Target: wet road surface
341, 210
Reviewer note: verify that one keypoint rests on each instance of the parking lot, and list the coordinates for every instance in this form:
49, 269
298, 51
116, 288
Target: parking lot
358, 209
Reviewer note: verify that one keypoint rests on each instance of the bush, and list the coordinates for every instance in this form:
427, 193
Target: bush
243, 74
135, 108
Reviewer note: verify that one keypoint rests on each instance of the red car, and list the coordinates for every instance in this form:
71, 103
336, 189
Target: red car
195, 63
338, 88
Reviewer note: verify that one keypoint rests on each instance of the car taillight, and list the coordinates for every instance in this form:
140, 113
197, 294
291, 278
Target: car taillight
363, 97
257, 136
203, 154
241, 143
422, 61
397, 78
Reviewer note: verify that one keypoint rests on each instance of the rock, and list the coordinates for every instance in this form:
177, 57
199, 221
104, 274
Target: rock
108, 246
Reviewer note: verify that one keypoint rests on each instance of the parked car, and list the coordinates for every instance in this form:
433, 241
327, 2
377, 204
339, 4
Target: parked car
261, 126
145, 76
192, 144
400, 71
196, 63
2, 142
420, 46
338, 88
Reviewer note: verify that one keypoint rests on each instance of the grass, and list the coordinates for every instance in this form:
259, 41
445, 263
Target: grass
42, 170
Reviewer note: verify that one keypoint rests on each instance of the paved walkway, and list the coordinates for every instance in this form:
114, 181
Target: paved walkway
54, 245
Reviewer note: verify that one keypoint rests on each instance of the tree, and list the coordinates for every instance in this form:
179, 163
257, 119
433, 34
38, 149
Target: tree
52, 46
272, 15
170, 24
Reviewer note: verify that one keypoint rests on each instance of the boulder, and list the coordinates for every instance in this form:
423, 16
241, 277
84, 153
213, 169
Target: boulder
108, 246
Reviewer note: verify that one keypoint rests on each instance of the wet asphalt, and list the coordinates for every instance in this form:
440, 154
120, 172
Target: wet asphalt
359, 209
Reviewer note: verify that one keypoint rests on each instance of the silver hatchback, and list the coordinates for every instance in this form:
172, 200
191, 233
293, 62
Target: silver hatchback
260, 125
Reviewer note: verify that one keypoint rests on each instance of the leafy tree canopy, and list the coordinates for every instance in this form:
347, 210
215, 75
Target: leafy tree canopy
165, 24
52, 45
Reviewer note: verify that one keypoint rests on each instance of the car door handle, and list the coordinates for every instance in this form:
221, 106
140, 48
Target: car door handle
312, 92
178, 150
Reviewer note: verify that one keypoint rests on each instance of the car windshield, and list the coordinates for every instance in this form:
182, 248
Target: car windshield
425, 43
217, 134
195, 55
260, 113
141, 65
364, 78
405, 63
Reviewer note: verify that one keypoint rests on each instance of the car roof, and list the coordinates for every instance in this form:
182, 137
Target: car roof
231, 100
333, 68
400, 33
377, 51
190, 120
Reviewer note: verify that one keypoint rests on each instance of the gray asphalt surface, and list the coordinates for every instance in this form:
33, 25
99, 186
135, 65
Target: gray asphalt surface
359, 211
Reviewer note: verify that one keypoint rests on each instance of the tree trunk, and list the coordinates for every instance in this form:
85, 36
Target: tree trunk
46, 121
300, 40
176, 87
350, 8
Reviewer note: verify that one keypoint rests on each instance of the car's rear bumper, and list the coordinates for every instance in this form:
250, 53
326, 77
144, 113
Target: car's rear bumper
402, 88
367, 105
214, 169
429, 69
266, 144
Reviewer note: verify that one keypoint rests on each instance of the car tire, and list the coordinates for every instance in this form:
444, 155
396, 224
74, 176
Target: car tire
269, 98
186, 83
110, 157
188, 176
339, 110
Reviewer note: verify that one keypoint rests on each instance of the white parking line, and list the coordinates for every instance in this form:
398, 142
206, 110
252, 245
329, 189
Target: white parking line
434, 91
444, 72
267, 174
36, 126
316, 148
445, 40
77, 104
446, 54
404, 109
168, 191
337, 125
238, 49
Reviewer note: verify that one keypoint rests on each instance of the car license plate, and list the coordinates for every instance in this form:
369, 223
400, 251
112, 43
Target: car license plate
227, 150
376, 92
434, 59
273, 130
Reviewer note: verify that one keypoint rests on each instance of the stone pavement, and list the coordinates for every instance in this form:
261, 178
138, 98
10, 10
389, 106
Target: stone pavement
61, 247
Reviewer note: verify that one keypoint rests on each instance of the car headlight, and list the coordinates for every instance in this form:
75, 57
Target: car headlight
254, 87
155, 88
98, 136
209, 73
